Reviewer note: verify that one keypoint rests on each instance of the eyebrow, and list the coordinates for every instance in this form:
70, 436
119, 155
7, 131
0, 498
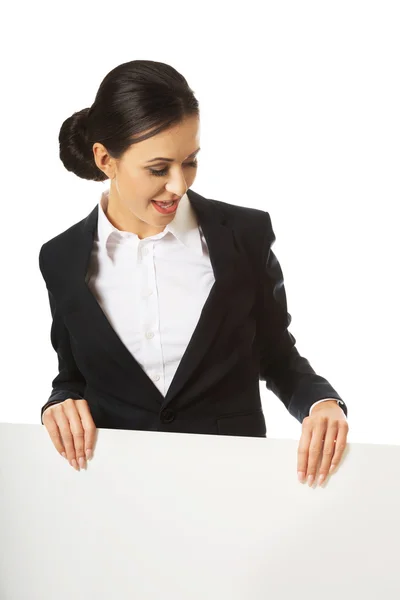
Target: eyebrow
171, 159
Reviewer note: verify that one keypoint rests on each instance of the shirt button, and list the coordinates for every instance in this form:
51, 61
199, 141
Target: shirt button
149, 335
145, 251
147, 293
156, 377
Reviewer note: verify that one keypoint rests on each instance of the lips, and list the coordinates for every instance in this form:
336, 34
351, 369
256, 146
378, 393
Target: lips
165, 201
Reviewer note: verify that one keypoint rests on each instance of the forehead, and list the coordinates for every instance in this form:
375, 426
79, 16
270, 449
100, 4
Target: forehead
178, 141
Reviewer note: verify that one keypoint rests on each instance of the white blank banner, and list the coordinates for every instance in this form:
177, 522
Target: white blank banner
180, 516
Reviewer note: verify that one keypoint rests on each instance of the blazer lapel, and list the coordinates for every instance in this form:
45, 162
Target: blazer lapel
231, 272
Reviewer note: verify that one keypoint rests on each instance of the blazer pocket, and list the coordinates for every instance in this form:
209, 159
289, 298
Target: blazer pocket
251, 424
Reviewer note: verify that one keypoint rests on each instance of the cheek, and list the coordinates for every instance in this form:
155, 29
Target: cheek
191, 177
140, 184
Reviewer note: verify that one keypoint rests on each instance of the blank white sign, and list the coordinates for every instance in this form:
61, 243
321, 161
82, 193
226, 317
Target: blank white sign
183, 516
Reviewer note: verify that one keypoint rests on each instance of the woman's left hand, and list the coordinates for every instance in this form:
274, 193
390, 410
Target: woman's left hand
324, 433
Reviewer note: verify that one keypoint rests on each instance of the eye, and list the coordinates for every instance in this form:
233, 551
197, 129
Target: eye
162, 172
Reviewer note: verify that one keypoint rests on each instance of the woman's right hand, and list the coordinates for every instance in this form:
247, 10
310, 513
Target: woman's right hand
71, 429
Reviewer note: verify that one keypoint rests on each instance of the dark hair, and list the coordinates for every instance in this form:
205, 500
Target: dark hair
134, 97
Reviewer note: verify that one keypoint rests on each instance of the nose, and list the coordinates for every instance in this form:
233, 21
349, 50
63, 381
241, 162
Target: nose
177, 184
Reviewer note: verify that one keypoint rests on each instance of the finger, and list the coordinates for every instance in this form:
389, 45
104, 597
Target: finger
328, 451
341, 440
89, 430
78, 434
53, 430
69, 422
304, 444
316, 445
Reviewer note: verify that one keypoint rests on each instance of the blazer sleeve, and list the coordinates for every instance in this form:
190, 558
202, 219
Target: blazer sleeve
69, 382
286, 373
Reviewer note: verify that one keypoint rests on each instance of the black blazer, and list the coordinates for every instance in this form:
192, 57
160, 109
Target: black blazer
241, 337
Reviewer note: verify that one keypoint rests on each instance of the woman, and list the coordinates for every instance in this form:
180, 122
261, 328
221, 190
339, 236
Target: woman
168, 308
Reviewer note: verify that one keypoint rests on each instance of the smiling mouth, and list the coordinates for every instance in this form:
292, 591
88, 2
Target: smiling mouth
166, 202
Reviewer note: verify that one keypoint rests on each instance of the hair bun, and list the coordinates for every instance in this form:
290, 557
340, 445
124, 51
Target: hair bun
76, 152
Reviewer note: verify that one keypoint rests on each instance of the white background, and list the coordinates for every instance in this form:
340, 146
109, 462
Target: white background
299, 116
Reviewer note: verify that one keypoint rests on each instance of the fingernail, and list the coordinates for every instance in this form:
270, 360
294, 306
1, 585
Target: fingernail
82, 462
332, 468
74, 464
310, 479
89, 453
300, 475
321, 479
63, 454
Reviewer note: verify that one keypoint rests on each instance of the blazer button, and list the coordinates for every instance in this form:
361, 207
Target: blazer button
167, 416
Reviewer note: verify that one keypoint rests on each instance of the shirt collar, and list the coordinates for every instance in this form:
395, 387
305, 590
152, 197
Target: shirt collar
184, 226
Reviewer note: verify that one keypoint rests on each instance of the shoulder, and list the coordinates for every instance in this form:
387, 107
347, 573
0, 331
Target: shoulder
252, 228
239, 211
55, 248
239, 216
253, 223
58, 240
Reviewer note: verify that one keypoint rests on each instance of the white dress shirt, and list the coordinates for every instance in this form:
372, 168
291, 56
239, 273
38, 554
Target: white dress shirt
152, 291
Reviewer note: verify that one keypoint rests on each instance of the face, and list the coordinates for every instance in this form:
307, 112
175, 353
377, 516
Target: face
137, 179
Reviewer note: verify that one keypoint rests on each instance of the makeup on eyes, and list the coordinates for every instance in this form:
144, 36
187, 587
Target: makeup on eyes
162, 172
